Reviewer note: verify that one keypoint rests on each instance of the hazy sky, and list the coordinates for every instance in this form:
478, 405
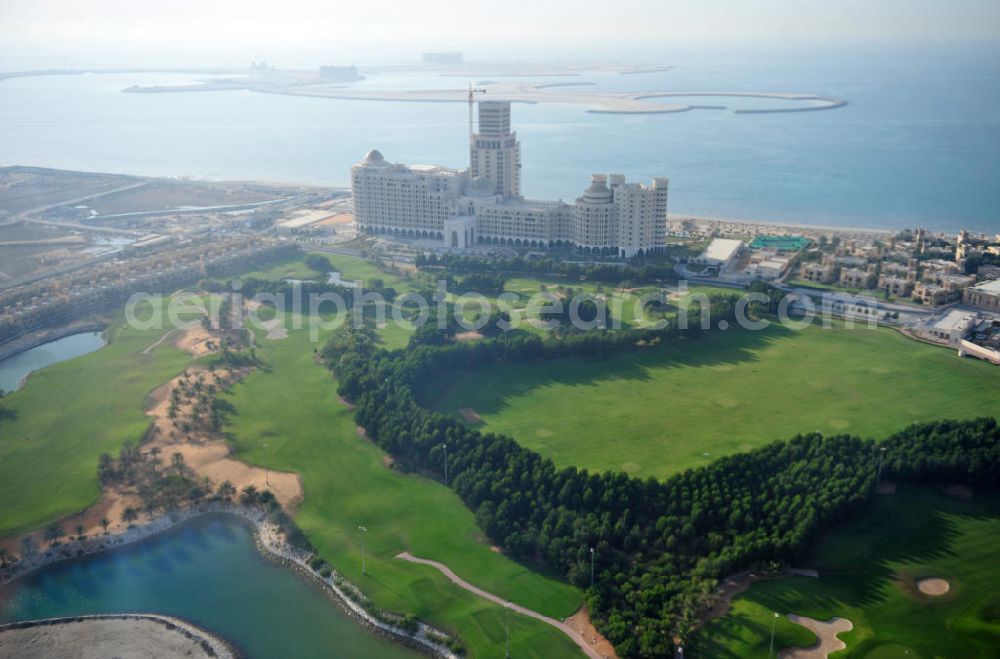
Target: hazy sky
373, 30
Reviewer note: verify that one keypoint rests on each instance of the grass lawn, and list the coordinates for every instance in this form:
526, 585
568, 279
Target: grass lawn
289, 418
663, 410
70, 413
867, 569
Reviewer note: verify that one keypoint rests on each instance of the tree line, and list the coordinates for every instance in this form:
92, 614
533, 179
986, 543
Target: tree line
638, 273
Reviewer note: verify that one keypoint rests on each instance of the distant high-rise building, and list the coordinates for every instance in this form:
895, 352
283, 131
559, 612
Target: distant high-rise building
494, 152
483, 205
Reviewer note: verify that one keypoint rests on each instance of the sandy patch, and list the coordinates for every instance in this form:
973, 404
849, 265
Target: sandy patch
933, 586
543, 432
198, 342
826, 632
470, 415
580, 623
468, 336
96, 638
275, 328
210, 456
959, 491
361, 431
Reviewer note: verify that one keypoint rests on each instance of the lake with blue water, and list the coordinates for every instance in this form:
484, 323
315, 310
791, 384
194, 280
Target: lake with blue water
917, 144
207, 571
14, 369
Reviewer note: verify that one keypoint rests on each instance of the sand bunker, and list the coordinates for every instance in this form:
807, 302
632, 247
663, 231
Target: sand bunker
933, 586
198, 342
208, 455
275, 329
958, 491
470, 415
826, 632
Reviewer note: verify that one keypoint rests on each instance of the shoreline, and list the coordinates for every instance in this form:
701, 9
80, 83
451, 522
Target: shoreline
26, 342
268, 539
823, 225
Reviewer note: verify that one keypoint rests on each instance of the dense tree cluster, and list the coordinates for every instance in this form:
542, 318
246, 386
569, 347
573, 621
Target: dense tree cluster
659, 547
614, 273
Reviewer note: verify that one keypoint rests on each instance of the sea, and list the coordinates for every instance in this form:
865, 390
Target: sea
918, 143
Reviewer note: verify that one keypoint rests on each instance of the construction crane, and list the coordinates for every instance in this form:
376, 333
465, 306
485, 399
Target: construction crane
473, 90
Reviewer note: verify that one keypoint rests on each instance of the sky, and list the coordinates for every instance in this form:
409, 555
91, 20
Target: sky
226, 32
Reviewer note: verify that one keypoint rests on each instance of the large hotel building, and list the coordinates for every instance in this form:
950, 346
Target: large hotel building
483, 204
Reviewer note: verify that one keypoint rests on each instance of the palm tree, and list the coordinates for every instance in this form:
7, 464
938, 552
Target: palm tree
28, 545
249, 495
53, 532
177, 460
130, 515
105, 522
227, 490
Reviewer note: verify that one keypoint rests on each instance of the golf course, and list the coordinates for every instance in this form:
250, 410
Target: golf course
288, 417
868, 569
658, 411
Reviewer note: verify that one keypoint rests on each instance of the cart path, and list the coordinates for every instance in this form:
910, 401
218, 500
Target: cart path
462, 583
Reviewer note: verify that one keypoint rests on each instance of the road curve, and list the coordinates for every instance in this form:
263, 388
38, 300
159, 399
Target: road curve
462, 583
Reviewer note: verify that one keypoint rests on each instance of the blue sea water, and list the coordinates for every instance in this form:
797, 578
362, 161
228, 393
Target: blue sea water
917, 144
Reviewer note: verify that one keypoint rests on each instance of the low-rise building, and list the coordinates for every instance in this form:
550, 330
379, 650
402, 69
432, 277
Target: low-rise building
950, 328
822, 272
897, 286
858, 277
985, 295
723, 253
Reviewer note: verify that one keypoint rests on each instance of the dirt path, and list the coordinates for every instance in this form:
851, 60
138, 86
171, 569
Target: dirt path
580, 641
163, 338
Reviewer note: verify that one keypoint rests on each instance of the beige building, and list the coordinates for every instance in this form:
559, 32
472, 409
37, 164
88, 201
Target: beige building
483, 205
858, 277
823, 272
985, 295
897, 286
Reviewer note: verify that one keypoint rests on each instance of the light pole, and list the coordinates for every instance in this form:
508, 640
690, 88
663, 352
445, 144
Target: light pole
591, 567
507, 606
364, 532
774, 624
446, 464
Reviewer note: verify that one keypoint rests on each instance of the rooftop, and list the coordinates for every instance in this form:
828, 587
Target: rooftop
992, 287
721, 249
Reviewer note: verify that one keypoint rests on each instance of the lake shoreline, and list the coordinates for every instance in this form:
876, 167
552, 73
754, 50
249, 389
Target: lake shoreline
269, 542
37, 338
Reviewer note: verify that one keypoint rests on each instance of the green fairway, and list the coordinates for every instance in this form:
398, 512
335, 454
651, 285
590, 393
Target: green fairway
659, 411
288, 417
70, 413
867, 570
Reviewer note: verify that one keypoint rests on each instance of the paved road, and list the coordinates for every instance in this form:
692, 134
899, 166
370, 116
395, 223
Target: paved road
457, 580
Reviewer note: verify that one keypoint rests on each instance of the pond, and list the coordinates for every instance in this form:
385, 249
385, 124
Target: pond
14, 369
207, 571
